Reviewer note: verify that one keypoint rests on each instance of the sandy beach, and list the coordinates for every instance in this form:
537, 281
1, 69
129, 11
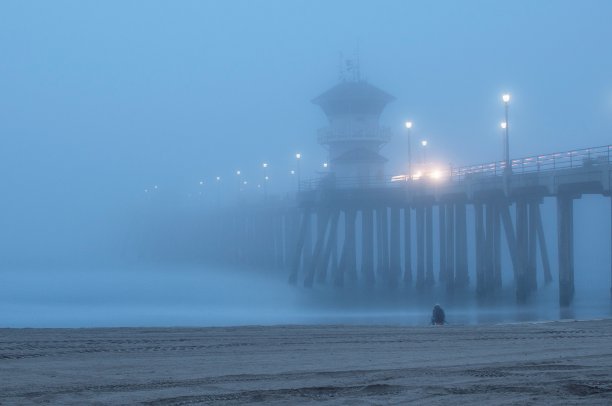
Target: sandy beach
547, 363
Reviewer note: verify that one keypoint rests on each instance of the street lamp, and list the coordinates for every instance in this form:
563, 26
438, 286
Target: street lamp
298, 157
505, 125
424, 145
408, 125
325, 165
265, 170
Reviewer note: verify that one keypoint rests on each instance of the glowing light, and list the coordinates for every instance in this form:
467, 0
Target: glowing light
503, 125
436, 174
417, 175
238, 172
218, 178
298, 156
155, 187
266, 178
506, 98
424, 143
408, 124
324, 164
201, 182
244, 183
292, 172
265, 165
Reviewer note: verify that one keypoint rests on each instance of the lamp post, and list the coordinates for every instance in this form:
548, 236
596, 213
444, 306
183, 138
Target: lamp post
298, 157
408, 125
265, 171
424, 145
238, 173
505, 125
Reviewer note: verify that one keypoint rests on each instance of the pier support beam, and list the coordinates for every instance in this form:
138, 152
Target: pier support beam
407, 247
331, 243
543, 246
420, 248
480, 249
450, 247
532, 279
299, 247
442, 235
382, 237
522, 244
461, 262
565, 230
395, 267
322, 225
497, 265
429, 275
367, 246
346, 268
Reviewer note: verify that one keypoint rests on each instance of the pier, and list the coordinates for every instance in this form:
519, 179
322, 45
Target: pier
357, 225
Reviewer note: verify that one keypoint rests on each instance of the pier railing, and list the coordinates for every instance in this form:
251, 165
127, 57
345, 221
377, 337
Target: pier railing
540, 163
580, 158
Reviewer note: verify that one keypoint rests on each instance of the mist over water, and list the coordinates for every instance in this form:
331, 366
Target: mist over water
151, 295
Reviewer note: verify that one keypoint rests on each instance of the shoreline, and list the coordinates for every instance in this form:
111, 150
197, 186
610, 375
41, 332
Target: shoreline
557, 362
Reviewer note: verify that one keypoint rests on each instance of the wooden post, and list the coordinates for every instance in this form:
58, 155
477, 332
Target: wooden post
442, 234
543, 247
332, 241
480, 255
429, 275
461, 264
420, 222
450, 246
497, 267
532, 276
522, 242
407, 246
394, 248
565, 239
297, 256
367, 246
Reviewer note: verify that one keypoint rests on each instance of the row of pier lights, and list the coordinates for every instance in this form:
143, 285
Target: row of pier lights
434, 173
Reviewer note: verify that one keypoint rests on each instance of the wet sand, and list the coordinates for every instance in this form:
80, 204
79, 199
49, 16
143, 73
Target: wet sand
548, 363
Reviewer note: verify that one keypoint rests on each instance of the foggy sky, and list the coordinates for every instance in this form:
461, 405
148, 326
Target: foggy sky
100, 100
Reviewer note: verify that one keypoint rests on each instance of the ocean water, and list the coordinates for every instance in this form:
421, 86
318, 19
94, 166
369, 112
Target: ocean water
105, 296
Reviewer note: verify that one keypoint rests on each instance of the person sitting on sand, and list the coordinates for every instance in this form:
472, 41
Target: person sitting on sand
438, 318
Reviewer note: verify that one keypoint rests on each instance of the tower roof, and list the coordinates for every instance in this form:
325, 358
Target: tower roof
353, 98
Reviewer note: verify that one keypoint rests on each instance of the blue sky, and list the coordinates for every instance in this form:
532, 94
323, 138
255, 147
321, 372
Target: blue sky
99, 100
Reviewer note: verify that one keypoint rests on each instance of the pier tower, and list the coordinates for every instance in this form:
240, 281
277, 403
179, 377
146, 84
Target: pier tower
354, 136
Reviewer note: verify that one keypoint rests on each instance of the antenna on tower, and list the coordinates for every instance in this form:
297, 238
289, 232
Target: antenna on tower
357, 72
341, 76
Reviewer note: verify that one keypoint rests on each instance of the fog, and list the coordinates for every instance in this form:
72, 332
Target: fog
116, 118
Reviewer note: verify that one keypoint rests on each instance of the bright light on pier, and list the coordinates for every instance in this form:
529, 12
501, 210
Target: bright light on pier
408, 124
265, 165
503, 125
424, 143
436, 174
324, 164
506, 98
298, 156
238, 172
